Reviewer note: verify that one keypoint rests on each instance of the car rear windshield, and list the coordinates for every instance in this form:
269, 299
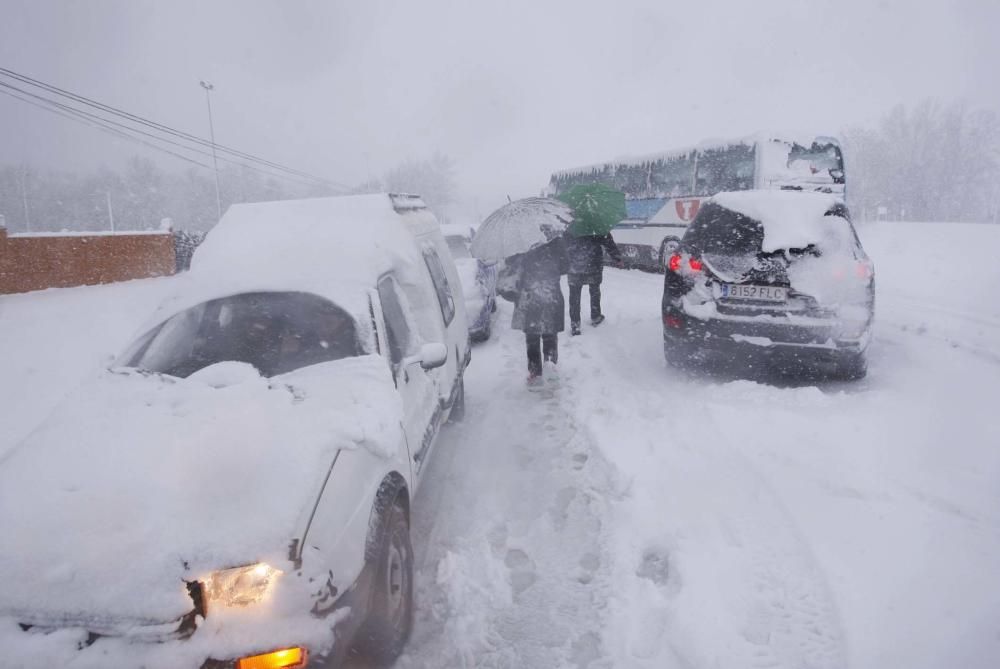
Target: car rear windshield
274, 332
720, 231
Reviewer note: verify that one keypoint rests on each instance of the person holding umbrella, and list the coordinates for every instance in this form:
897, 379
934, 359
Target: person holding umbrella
528, 236
596, 210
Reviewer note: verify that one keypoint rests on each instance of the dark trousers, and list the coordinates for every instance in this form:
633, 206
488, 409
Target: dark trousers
549, 343
575, 290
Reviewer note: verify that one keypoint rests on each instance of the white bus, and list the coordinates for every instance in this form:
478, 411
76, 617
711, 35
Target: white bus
663, 191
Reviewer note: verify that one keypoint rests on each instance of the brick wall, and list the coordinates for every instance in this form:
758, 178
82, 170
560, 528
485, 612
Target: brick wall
38, 261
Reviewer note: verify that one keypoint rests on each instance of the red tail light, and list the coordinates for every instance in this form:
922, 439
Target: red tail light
863, 271
673, 321
676, 262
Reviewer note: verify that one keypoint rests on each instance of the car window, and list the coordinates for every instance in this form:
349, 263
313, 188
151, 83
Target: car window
274, 332
720, 231
441, 286
397, 328
459, 247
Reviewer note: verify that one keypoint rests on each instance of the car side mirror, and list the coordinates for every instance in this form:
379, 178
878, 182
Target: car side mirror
431, 356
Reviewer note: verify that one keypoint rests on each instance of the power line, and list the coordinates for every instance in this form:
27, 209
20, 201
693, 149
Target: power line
158, 126
120, 130
112, 131
163, 128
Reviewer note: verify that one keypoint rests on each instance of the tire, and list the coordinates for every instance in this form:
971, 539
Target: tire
484, 334
851, 366
457, 413
387, 626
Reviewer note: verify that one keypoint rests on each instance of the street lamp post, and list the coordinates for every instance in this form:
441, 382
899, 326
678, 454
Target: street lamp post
211, 129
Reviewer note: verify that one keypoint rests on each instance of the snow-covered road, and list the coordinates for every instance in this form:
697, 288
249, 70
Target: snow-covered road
631, 516
627, 515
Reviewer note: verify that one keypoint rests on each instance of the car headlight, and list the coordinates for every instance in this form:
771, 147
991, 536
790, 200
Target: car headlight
240, 586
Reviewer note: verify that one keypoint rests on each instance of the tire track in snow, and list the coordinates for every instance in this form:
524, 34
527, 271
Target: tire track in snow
741, 587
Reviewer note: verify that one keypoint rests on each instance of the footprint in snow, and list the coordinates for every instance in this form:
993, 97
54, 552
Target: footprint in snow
655, 566
589, 564
522, 570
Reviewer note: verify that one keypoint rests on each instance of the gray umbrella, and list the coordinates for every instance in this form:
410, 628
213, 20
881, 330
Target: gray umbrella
520, 226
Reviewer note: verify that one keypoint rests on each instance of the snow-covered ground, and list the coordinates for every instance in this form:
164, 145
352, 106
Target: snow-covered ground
627, 515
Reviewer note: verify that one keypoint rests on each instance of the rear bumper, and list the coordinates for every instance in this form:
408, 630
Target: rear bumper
762, 335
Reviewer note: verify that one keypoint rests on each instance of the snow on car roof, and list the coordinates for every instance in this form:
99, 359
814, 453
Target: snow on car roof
335, 247
456, 230
791, 219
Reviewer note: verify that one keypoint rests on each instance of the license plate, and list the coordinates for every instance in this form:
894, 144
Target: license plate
747, 292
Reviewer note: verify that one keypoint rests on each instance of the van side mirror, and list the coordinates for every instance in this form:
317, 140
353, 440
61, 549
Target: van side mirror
430, 356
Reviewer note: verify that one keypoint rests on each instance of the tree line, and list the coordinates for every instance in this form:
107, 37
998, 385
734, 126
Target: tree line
143, 194
933, 162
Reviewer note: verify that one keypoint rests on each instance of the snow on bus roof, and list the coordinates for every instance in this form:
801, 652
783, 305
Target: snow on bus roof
335, 247
791, 219
798, 137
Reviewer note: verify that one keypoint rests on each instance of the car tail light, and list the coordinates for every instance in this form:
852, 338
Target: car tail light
673, 321
862, 270
286, 658
676, 263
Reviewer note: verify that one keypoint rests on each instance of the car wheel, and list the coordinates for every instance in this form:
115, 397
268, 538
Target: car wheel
851, 366
457, 414
390, 613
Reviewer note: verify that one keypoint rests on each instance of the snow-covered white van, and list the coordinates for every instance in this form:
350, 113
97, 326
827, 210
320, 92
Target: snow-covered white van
235, 491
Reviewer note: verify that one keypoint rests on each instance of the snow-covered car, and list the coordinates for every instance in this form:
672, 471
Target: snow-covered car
235, 491
775, 273
479, 281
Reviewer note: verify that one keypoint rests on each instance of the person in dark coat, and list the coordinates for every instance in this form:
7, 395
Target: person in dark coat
533, 280
586, 267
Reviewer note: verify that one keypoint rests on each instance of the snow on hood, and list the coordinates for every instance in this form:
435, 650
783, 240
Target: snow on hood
139, 481
791, 220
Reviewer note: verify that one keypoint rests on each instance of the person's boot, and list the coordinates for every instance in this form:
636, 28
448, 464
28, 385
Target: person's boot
574, 329
597, 320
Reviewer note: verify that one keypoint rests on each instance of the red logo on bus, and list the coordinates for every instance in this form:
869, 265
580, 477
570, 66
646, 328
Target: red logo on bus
686, 209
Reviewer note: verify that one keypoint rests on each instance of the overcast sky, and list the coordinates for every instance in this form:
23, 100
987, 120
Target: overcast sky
509, 90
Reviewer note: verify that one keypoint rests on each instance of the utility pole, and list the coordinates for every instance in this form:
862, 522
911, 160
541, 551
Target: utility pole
111, 213
24, 198
211, 129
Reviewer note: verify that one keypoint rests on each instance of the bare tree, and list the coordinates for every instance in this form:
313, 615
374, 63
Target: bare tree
432, 179
928, 163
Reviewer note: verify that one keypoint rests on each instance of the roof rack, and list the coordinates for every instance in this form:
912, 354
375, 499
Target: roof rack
406, 202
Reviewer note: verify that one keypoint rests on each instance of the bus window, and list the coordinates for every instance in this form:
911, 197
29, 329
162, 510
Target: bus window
725, 169
673, 176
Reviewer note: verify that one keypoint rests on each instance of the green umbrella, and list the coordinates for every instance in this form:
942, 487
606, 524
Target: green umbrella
596, 208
